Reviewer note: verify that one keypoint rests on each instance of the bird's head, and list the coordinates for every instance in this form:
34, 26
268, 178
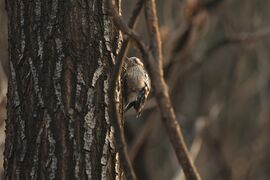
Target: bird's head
133, 61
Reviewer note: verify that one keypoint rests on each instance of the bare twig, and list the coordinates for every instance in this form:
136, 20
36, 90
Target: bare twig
154, 64
196, 144
236, 38
131, 24
162, 95
128, 31
243, 37
184, 43
196, 13
114, 106
135, 13
190, 67
142, 136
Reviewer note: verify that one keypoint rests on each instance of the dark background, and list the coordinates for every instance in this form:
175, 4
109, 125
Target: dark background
217, 66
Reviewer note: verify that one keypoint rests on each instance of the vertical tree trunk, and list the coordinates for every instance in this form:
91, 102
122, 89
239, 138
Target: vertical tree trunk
61, 54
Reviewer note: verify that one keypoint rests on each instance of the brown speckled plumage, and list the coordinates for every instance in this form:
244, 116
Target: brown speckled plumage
136, 84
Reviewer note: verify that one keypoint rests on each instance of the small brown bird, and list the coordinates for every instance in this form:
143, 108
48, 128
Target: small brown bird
136, 84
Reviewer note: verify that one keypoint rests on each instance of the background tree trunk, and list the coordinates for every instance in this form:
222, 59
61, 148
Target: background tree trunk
61, 55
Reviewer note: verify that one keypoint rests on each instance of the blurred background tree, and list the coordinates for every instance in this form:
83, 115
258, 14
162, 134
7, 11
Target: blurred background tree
216, 62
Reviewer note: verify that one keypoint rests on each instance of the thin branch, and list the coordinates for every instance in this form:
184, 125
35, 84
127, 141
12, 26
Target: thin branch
196, 144
162, 95
152, 24
135, 13
141, 138
131, 24
184, 70
120, 142
243, 37
189, 31
128, 31
154, 64
236, 38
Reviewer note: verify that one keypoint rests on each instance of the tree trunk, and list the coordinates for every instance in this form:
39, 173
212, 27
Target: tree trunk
61, 54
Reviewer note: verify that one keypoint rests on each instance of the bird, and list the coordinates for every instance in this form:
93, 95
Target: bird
136, 84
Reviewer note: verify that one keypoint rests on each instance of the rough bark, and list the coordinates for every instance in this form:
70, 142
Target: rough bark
61, 55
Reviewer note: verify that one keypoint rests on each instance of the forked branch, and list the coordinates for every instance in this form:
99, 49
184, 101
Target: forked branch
162, 95
153, 60
115, 116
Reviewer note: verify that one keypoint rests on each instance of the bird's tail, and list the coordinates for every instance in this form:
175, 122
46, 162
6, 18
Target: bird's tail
128, 106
